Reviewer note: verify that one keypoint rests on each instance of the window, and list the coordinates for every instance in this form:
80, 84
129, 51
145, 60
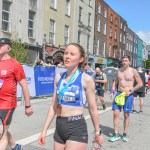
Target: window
104, 49
124, 39
105, 13
89, 19
99, 8
53, 4
120, 37
104, 29
110, 48
124, 28
88, 42
6, 16
115, 34
31, 24
134, 50
90, 3
79, 36
80, 14
111, 18
68, 7
66, 35
121, 25
127, 36
120, 53
52, 32
110, 34
97, 46
123, 53
98, 25
127, 46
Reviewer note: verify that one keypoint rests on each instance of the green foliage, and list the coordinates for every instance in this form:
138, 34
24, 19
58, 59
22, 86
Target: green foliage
18, 51
115, 46
148, 63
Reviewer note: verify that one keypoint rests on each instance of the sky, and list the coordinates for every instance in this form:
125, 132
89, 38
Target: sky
137, 15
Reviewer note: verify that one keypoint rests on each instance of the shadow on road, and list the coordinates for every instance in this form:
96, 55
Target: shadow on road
107, 131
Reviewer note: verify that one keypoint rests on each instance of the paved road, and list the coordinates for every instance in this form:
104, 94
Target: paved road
26, 130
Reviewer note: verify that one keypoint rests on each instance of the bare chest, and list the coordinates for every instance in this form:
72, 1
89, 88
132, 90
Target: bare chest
126, 75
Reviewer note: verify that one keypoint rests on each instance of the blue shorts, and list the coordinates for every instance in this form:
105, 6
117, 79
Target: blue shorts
128, 103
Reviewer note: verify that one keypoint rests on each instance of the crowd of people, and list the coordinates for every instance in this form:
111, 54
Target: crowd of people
71, 93
48, 63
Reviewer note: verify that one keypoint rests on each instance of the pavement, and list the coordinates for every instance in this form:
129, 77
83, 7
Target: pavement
26, 130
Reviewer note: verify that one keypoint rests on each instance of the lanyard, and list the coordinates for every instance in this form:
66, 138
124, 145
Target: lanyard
63, 89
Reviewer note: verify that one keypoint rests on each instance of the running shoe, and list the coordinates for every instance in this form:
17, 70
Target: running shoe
134, 111
17, 147
141, 112
104, 107
114, 138
124, 137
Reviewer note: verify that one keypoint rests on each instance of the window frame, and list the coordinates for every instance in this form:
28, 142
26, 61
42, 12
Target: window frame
66, 35
31, 20
52, 32
4, 22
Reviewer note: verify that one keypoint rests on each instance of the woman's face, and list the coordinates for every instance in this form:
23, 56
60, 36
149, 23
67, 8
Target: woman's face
72, 56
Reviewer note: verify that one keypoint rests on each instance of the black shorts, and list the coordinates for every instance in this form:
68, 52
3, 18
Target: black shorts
6, 116
71, 128
100, 93
140, 94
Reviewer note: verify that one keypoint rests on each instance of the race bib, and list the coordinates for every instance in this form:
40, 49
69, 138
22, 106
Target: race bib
1, 83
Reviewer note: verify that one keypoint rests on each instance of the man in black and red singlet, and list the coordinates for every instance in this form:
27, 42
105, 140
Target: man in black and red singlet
11, 73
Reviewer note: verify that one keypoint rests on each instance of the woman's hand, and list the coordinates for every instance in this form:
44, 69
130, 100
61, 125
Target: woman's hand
41, 139
98, 139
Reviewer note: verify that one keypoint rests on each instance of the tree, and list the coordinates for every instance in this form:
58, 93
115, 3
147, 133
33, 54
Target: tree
148, 63
18, 51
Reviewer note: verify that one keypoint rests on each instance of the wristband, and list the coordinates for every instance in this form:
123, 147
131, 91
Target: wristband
27, 106
112, 91
98, 132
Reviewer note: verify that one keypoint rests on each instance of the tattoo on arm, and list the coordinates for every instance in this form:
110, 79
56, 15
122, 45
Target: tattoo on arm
136, 87
137, 77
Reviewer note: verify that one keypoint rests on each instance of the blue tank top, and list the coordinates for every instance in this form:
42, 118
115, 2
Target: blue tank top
74, 94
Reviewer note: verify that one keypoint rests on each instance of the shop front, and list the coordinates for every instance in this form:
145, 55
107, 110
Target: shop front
100, 62
114, 62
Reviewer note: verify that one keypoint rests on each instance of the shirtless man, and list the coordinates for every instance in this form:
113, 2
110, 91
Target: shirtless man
125, 78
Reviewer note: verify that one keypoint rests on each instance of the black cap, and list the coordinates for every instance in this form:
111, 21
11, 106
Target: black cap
5, 41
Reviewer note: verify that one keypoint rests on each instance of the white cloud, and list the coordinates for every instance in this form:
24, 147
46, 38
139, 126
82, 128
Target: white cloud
145, 36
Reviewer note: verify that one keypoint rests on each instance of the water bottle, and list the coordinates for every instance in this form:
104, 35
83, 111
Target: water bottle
96, 146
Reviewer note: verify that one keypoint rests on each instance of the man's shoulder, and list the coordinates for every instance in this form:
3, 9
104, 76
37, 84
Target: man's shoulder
13, 60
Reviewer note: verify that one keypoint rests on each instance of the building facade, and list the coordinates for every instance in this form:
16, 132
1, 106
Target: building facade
139, 53
100, 38
112, 52
58, 18
83, 23
144, 55
135, 50
21, 20
130, 45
